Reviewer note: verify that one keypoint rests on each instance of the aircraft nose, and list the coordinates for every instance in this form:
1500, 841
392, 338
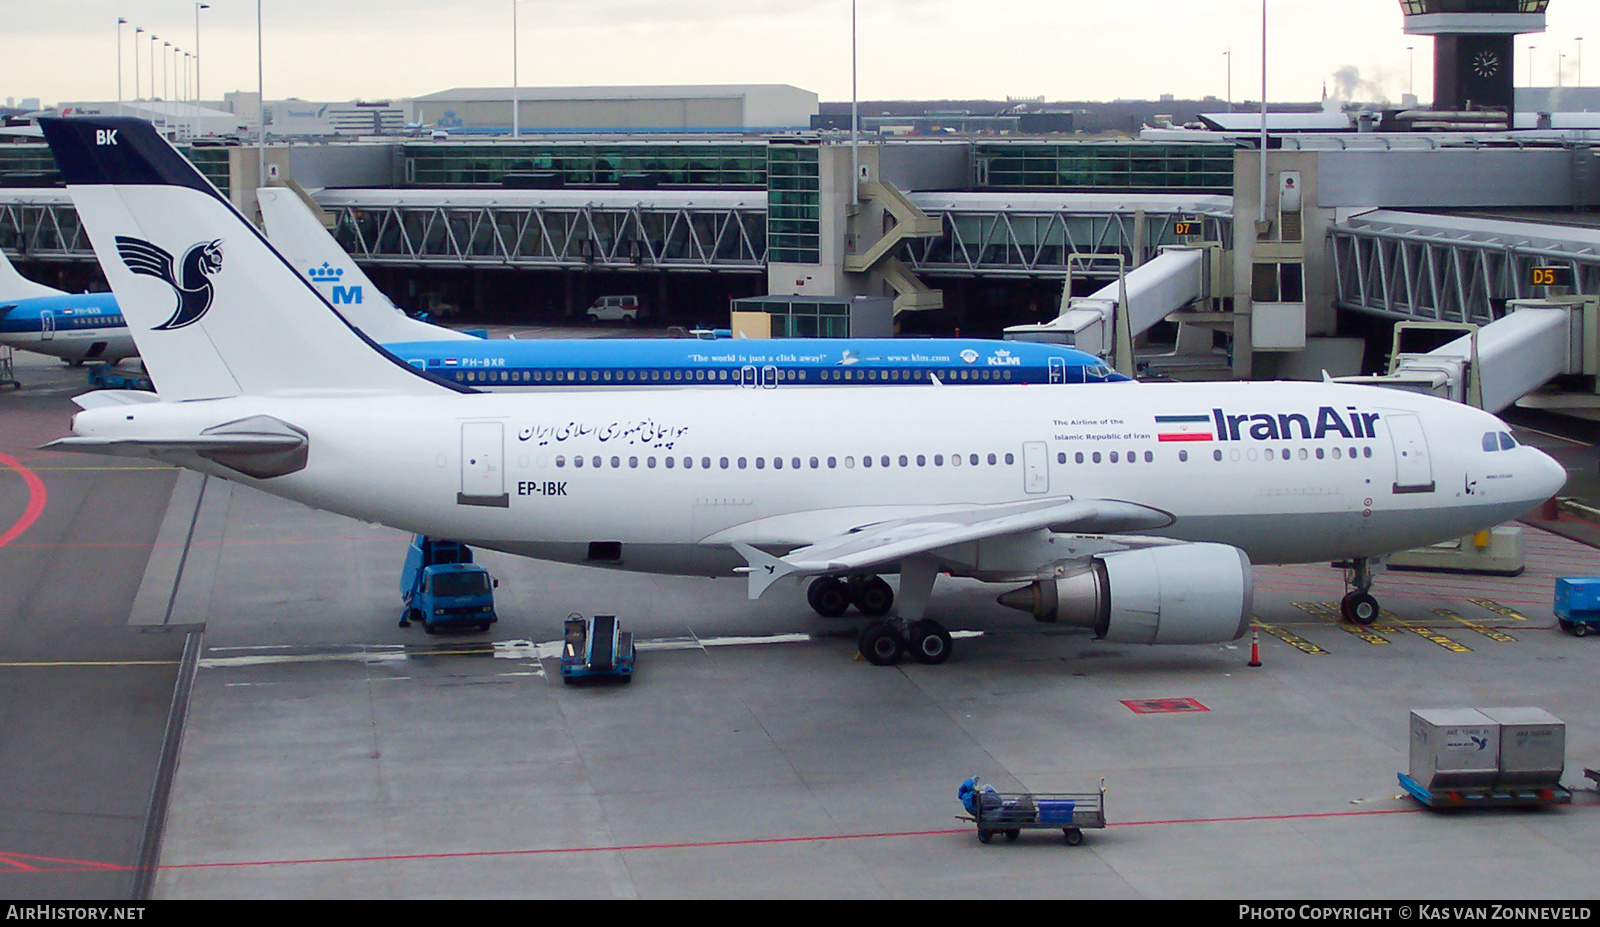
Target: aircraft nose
1547, 477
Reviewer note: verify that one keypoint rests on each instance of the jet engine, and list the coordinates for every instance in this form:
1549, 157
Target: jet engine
1182, 594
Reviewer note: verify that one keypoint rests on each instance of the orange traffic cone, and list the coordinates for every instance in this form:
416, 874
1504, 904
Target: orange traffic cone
1255, 648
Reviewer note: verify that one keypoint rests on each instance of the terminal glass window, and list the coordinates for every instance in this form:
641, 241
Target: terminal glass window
548, 164
1418, 7
1088, 165
794, 213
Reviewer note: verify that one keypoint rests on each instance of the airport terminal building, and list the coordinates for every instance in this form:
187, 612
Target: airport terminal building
1314, 236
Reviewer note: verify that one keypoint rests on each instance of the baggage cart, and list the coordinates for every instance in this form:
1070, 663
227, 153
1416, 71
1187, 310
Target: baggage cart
1011, 813
1450, 799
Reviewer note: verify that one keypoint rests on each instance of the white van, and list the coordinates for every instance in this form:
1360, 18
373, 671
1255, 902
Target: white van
614, 309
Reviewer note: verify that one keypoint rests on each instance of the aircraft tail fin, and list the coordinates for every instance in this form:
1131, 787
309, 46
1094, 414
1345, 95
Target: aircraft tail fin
213, 308
14, 285
303, 241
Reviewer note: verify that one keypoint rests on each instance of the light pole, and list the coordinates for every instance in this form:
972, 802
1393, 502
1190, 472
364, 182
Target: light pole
1262, 208
166, 94
261, 108
197, 8
1228, 57
855, 117
153, 40
137, 31
1580, 61
516, 102
120, 23
1411, 70
1561, 58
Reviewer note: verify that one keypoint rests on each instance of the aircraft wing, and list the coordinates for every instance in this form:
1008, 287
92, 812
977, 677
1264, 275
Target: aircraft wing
888, 542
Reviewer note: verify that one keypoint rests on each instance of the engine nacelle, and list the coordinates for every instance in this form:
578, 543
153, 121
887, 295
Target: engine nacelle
1182, 594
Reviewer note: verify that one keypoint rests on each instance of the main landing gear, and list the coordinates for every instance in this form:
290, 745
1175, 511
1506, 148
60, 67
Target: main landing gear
1358, 606
886, 641
831, 597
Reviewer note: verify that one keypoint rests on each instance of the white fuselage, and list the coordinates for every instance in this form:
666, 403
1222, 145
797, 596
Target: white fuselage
669, 479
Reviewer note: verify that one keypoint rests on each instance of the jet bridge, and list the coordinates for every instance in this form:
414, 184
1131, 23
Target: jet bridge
1494, 365
1179, 276
1491, 367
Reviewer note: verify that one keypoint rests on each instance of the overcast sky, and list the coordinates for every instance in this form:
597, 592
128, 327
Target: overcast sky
66, 50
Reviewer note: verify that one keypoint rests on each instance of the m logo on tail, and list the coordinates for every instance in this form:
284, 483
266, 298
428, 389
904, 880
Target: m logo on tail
199, 263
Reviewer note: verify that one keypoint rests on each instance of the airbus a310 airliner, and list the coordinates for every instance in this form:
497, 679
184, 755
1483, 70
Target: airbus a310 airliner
1135, 510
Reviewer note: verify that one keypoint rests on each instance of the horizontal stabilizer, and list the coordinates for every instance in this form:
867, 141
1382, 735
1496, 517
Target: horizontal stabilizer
259, 446
101, 398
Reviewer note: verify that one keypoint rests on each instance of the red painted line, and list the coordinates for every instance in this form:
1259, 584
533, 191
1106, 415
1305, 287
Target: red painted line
36, 500
141, 544
765, 841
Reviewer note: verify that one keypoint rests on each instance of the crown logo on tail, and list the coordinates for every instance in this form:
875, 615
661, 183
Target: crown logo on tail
189, 278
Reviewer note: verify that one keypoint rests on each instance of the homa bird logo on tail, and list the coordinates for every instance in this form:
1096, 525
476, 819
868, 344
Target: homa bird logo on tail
199, 264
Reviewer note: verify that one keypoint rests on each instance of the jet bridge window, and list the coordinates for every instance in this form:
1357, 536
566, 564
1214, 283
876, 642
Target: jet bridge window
1278, 283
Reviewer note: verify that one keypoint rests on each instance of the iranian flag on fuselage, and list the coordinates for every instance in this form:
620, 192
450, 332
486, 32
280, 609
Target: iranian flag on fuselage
1185, 428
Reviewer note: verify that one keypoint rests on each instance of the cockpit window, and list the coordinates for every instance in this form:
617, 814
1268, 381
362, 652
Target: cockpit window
1498, 441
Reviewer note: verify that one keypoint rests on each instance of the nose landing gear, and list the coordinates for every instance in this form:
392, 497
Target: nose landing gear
1358, 606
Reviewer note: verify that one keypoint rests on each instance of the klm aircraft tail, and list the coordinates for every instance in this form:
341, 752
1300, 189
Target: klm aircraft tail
214, 310
14, 286
301, 239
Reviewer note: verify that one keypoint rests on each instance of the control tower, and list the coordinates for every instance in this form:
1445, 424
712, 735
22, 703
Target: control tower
1474, 47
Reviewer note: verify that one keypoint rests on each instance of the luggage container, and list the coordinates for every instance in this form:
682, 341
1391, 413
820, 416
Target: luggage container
1453, 748
1533, 746
1488, 758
